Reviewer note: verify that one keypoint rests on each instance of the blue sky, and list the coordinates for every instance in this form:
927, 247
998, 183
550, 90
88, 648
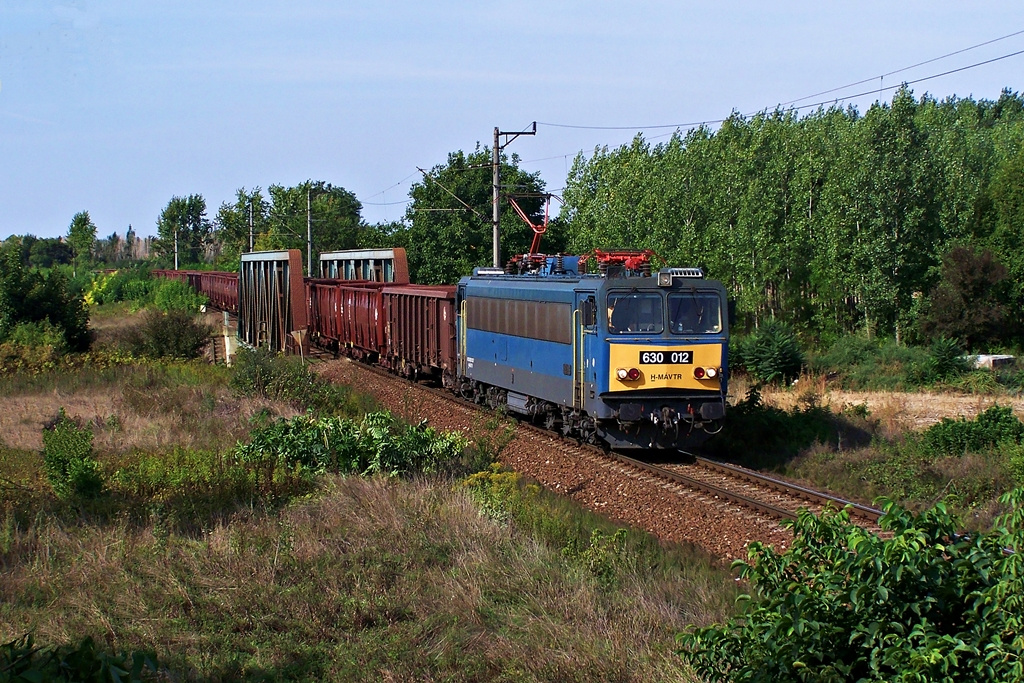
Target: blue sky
116, 106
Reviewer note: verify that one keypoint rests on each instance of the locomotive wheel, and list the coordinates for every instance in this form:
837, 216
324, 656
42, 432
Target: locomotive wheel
552, 421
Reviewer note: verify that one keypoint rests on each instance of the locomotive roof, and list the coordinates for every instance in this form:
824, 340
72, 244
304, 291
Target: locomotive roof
506, 284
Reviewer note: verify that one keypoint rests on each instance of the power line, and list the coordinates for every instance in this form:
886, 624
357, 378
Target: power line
404, 201
693, 124
919, 80
906, 68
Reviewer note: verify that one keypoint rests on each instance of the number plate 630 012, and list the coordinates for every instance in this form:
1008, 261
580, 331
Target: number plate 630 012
666, 357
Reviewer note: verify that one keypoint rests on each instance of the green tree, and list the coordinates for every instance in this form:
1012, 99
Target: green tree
49, 252
231, 225
970, 303
333, 214
446, 240
1006, 197
28, 296
81, 237
184, 218
279, 221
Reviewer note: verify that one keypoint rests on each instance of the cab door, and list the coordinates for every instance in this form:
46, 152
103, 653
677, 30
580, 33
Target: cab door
585, 342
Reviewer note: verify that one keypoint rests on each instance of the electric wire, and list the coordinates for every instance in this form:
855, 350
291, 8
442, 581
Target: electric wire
693, 124
906, 68
785, 105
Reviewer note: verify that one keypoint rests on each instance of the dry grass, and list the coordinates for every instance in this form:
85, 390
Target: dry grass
146, 406
375, 580
896, 411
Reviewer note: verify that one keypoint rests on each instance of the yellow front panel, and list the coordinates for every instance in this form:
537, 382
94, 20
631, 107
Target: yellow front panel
665, 375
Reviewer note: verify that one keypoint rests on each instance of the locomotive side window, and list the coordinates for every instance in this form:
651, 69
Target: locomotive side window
694, 313
635, 313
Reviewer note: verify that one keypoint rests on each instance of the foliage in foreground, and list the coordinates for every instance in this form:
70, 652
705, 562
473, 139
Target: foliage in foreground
23, 660
842, 604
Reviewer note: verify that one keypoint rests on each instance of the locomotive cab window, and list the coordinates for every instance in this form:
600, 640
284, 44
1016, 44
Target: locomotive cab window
694, 313
635, 313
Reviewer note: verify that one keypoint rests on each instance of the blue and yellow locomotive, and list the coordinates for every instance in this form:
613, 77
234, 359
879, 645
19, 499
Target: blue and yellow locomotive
625, 356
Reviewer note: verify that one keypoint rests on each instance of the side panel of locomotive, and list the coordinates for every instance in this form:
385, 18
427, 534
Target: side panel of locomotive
517, 336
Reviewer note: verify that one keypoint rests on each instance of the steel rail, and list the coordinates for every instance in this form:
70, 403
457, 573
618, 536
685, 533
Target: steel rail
868, 513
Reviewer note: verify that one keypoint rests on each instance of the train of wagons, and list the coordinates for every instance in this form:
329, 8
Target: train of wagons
600, 347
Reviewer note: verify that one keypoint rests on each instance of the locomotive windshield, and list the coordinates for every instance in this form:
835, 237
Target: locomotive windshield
632, 313
694, 313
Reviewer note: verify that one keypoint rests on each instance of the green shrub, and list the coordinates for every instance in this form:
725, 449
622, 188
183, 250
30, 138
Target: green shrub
39, 334
174, 334
174, 295
946, 359
262, 372
28, 296
846, 352
771, 354
378, 444
955, 437
23, 660
925, 603
127, 284
68, 461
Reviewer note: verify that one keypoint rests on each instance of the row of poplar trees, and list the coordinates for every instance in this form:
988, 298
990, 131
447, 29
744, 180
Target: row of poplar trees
833, 221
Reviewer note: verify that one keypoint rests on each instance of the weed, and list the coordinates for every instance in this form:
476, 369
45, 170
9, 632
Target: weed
67, 457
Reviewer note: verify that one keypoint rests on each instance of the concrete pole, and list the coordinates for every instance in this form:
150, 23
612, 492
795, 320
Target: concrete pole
494, 209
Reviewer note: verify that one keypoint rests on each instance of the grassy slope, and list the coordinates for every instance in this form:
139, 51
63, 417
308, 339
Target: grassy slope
354, 579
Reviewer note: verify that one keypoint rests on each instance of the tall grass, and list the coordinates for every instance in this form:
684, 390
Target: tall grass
373, 579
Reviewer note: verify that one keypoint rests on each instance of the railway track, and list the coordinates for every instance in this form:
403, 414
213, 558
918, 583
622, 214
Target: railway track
716, 481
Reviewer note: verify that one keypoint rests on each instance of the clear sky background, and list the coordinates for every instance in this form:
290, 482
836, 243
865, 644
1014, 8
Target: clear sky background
116, 106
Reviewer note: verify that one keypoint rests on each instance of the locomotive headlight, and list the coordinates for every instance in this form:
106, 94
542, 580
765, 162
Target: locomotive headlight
633, 374
622, 373
712, 373
698, 373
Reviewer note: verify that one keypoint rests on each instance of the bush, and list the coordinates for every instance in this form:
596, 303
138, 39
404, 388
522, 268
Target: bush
174, 334
378, 444
67, 458
39, 334
22, 660
771, 354
129, 284
842, 604
946, 359
27, 296
270, 375
174, 295
995, 426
